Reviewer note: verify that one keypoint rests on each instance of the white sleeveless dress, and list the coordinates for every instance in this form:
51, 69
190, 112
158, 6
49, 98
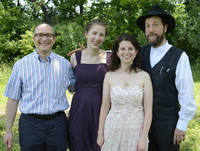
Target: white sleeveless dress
124, 123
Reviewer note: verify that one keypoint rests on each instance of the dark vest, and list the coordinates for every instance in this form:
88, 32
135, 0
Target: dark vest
165, 94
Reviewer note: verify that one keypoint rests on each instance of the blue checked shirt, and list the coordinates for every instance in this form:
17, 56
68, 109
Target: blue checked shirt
40, 86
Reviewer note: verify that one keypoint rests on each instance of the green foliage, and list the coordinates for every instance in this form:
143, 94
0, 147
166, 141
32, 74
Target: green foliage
5, 71
68, 10
13, 23
17, 21
15, 145
26, 44
183, 36
193, 26
192, 142
196, 72
68, 37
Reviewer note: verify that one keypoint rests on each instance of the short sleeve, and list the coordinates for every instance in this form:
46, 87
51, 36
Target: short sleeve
14, 87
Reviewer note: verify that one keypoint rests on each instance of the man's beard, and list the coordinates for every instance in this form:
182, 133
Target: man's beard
157, 42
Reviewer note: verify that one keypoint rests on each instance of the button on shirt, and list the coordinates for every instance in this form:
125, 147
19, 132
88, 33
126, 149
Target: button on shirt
183, 82
40, 85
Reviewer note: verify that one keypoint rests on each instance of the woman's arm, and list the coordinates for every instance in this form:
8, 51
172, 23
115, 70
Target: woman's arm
104, 109
148, 99
73, 60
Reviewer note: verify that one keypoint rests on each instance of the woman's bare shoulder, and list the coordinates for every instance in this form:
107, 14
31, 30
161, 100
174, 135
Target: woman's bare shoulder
73, 60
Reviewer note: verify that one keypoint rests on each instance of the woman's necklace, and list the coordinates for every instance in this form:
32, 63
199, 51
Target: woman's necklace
127, 80
126, 84
126, 77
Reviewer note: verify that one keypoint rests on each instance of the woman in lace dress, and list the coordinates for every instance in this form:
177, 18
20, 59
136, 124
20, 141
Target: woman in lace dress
126, 110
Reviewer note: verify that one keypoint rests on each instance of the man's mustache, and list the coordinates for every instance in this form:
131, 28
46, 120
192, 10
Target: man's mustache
151, 35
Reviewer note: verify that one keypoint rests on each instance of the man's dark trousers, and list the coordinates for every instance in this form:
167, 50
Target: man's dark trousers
37, 134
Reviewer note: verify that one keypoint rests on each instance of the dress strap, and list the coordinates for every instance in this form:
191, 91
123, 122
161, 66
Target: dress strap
78, 56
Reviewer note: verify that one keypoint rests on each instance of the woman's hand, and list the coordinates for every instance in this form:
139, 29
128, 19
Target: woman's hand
100, 140
142, 145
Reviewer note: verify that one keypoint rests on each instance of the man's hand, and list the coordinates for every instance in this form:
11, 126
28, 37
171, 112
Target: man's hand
8, 140
79, 49
11, 110
179, 136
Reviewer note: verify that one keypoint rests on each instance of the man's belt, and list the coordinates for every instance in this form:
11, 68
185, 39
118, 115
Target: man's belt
46, 116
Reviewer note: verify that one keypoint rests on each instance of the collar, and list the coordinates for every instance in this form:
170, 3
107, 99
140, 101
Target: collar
49, 57
164, 48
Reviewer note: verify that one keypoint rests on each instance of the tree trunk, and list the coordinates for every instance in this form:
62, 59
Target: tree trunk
47, 17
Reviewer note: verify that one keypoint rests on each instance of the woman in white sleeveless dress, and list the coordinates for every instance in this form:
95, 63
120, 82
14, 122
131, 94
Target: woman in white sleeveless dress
126, 110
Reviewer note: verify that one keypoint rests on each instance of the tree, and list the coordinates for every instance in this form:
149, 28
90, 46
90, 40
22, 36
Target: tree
13, 22
47, 12
17, 21
192, 8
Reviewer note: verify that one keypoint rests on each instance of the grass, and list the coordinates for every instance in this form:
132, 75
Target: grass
191, 143
5, 71
15, 144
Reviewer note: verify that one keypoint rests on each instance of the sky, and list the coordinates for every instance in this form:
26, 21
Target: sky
89, 2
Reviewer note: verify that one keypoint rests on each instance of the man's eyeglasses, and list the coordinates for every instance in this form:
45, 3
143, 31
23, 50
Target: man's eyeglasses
40, 35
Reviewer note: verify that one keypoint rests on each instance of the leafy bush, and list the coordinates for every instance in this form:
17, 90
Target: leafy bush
68, 35
26, 44
13, 23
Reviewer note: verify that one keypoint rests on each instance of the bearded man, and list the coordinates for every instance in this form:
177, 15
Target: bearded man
170, 71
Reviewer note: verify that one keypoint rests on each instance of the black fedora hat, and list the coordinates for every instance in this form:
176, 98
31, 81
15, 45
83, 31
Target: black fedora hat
157, 11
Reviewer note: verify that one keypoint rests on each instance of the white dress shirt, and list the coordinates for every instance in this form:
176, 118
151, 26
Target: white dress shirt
183, 82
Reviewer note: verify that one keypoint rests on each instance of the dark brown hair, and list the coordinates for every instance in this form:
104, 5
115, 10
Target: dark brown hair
95, 22
115, 61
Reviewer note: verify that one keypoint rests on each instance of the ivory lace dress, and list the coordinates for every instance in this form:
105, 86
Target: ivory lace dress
124, 122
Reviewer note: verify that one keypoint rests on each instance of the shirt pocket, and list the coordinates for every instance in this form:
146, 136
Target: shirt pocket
58, 87
167, 73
